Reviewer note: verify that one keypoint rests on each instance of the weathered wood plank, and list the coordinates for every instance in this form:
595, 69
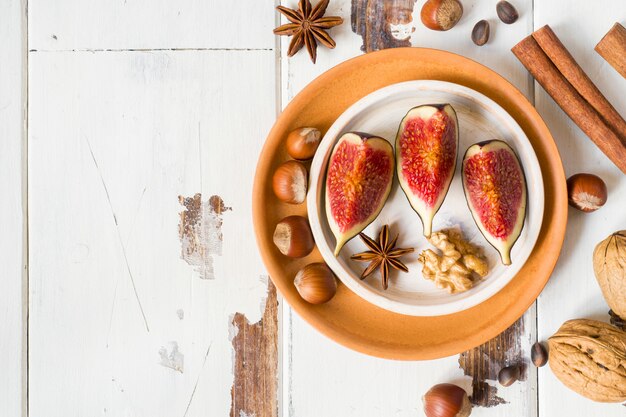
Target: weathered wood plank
150, 24
572, 291
13, 253
115, 138
383, 24
254, 391
369, 386
509, 348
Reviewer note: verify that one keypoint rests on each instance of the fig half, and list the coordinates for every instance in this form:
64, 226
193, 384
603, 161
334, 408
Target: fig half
426, 148
358, 182
495, 190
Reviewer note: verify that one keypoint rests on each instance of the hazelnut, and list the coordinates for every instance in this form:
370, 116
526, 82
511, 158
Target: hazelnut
446, 400
316, 283
293, 237
441, 14
303, 142
290, 182
586, 192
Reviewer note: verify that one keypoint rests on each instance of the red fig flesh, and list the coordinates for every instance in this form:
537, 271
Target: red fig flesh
426, 148
358, 182
495, 190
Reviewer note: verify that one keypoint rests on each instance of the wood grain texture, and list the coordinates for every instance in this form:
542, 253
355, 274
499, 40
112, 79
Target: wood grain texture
370, 386
200, 232
114, 139
13, 253
572, 291
485, 361
150, 24
165, 123
383, 24
255, 384
612, 47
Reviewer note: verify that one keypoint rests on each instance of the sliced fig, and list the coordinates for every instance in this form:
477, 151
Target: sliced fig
426, 148
495, 190
358, 182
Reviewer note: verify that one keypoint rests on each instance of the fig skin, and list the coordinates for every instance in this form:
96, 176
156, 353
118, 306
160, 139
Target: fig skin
505, 248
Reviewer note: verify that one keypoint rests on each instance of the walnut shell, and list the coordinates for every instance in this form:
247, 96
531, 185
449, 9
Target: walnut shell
609, 265
589, 357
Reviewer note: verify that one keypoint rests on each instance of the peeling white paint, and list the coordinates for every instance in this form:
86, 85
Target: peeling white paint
264, 279
244, 414
233, 330
171, 357
200, 232
401, 31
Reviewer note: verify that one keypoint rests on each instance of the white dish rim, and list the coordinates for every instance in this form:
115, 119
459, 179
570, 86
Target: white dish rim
316, 188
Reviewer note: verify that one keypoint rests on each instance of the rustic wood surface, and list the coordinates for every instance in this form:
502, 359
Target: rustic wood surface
483, 363
382, 24
382, 387
255, 384
130, 131
13, 254
573, 292
117, 312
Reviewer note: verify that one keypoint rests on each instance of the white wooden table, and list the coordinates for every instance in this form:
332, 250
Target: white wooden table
111, 110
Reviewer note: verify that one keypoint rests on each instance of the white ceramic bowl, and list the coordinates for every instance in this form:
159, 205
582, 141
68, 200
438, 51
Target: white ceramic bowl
379, 113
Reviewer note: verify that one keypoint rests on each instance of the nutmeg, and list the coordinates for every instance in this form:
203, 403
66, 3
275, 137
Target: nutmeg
441, 14
586, 192
293, 237
303, 142
316, 283
446, 400
290, 182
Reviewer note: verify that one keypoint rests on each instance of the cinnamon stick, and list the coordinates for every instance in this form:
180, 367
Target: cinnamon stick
573, 104
612, 47
574, 74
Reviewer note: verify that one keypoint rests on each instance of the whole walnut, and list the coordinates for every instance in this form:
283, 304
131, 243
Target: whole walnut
609, 265
589, 357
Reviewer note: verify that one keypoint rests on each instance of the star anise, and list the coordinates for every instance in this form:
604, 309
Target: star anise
382, 254
307, 26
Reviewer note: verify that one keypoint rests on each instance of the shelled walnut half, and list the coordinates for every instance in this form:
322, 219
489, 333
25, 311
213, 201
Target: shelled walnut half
460, 264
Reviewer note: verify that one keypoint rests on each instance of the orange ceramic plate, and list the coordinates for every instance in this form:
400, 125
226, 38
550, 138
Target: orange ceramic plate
347, 318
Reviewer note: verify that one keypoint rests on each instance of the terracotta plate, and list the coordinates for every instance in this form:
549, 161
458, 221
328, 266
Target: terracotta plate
349, 319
